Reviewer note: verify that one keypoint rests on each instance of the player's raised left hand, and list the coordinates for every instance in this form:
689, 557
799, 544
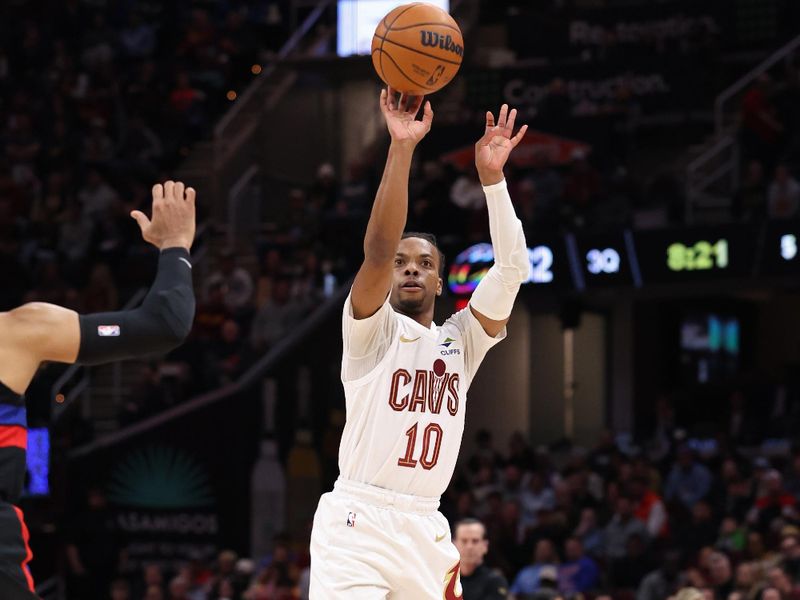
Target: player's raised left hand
173, 219
493, 149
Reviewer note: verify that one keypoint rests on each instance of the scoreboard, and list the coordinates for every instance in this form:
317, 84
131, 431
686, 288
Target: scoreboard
592, 261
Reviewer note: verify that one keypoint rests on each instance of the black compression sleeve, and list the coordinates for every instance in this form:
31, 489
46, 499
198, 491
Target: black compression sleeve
158, 325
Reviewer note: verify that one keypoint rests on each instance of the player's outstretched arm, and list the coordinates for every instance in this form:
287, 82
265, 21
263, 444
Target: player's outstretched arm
492, 301
390, 209
38, 332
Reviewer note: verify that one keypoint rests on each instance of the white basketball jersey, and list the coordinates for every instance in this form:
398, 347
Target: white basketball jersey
406, 393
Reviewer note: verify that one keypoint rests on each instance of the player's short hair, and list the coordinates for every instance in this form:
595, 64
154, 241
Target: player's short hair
469, 521
428, 237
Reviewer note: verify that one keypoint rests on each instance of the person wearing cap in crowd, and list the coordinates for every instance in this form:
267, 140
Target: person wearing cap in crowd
547, 588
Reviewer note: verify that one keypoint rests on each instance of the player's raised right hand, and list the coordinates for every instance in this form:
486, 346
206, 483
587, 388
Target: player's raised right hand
401, 116
173, 220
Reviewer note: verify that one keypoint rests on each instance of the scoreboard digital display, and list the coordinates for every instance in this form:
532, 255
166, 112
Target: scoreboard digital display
548, 260
694, 255
550, 267
780, 250
605, 260
588, 261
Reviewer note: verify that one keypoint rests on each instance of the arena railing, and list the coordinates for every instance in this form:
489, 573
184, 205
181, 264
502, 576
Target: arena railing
724, 116
237, 126
712, 177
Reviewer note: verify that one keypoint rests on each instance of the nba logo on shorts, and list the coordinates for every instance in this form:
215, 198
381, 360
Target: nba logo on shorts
351, 519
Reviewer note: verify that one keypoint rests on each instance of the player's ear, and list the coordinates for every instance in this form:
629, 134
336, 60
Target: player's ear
439, 285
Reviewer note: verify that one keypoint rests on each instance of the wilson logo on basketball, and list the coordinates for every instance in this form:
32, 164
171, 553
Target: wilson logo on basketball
443, 42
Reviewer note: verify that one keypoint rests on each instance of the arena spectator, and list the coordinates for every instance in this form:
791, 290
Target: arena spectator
761, 129
698, 531
664, 581
746, 582
721, 575
478, 582
649, 508
621, 528
178, 589
535, 498
628, 571
588, 532
278, 316
120, 590
528, 580
237, 284
228, 356
578, 573
784, 195
688, 481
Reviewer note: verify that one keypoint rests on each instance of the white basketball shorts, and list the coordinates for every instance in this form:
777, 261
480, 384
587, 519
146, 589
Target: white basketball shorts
369, 543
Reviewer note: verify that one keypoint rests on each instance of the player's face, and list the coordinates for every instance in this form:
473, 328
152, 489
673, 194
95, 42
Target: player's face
416, 276
471, 543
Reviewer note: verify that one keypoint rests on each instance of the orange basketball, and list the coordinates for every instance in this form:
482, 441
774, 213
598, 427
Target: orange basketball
417, 48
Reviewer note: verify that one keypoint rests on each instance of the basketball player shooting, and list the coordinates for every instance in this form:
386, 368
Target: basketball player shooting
38, 332
379, 534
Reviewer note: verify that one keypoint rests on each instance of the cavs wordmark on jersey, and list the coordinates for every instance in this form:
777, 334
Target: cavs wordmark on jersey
406, 392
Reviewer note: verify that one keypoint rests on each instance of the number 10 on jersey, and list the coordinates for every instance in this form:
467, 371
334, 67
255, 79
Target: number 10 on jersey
431, 444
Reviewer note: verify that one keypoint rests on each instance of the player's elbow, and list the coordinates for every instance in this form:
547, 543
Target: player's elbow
515, 266
514, 273
174, 308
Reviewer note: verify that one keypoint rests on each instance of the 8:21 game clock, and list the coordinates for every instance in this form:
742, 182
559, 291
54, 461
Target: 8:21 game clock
696, 254
700, 256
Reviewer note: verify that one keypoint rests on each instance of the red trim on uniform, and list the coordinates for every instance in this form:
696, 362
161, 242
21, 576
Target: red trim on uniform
13, 436
28, 552
452, 578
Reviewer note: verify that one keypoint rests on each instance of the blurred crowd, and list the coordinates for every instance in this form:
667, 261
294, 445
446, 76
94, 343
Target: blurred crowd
623, 522
252, 300
675, 516
97, 569
97, 102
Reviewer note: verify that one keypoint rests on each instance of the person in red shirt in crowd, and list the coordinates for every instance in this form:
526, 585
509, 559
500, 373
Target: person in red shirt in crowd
761, 129
774, 501
650, 508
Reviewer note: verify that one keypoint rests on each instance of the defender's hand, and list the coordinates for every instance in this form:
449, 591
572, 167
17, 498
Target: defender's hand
493, 149
401, 117
173, 221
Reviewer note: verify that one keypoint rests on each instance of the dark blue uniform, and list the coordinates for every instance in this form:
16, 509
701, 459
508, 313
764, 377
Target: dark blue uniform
15, 554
